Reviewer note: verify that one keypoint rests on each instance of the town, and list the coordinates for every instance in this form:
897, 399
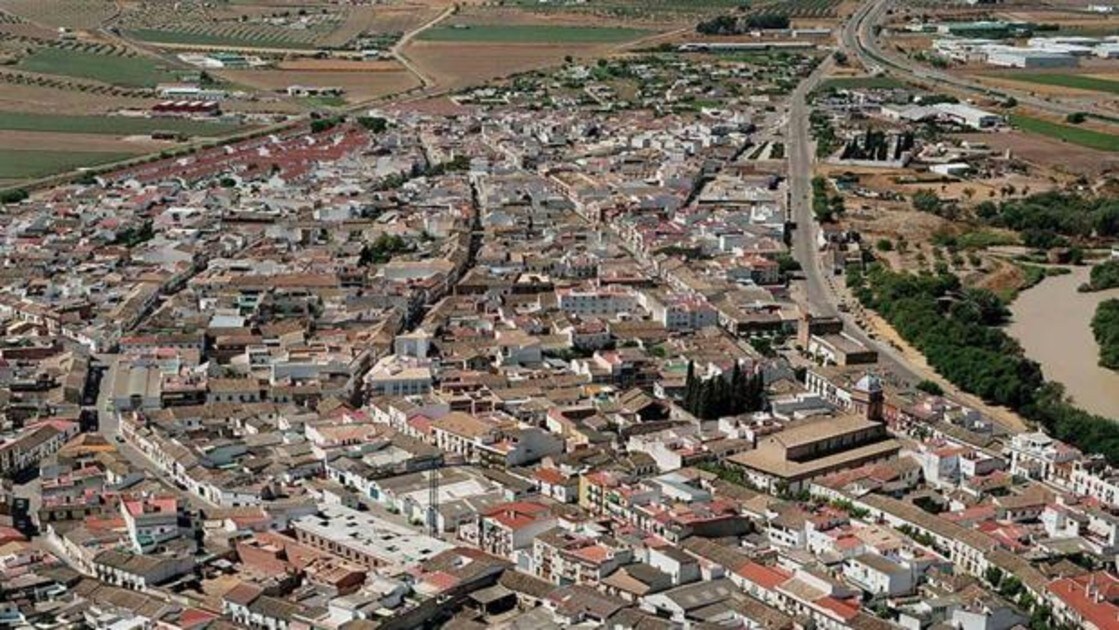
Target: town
711, 333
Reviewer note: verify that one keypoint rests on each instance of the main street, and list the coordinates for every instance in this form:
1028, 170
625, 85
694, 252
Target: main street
819, 290
820, 297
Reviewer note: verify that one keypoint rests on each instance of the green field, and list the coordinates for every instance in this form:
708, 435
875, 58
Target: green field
632, 8
1076, 135
532, 34
861, 83
1074, 81
114, 69
26, 164
110, 125
244, 39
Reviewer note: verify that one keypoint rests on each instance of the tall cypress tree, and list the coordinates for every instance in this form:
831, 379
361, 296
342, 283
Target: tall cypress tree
705, 407
737, 390
690, 393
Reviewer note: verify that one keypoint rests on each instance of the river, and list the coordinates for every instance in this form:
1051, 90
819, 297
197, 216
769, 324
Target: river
1053, 321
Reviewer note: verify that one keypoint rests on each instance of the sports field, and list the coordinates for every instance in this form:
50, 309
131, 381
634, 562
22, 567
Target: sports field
113, 69
1075, 135
110, 125
25, 164
531, 34
1074, 81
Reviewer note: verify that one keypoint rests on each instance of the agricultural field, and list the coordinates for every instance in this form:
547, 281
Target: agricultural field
359, 86
195, 23
633, 9
1075, 135
367, 22
457, 65
35, 98
274, 25
531, 34
115, 69
232, 36
19, 164
798, 9
110, 125
1074, 81
75, 14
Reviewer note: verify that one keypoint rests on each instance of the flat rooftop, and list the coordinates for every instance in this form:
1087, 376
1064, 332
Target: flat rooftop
371, 535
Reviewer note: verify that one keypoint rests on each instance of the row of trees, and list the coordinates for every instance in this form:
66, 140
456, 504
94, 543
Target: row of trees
875, 145
826, 208
823, 132
957, 331
1105, 327
736, 25
13, 196
716, 397
1056, 213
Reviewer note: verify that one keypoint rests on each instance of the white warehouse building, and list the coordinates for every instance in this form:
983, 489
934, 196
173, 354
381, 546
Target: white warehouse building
1010, 57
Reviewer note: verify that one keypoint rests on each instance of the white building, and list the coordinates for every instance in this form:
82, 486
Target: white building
596, 301
367, 539
879, 575
969, 116
397, 376
1011, 57
1038, 456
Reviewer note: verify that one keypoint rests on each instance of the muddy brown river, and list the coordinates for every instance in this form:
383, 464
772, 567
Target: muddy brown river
1052, 321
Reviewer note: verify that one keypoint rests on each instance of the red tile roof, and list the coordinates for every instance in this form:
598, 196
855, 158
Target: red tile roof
766, 577
1092, 596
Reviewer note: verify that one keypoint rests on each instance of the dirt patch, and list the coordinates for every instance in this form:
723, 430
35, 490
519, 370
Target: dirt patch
1049, 153
338, 65
1002, 278
457, 65
358, 86
437, 106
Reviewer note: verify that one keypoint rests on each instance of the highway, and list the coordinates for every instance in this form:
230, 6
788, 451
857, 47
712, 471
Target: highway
857, 36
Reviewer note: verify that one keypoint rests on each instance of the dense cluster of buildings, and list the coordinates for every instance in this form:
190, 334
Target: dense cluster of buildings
447, 373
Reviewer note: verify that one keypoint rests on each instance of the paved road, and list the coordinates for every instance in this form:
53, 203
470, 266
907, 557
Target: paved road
801, 158
857, 36
108, 425
821, 298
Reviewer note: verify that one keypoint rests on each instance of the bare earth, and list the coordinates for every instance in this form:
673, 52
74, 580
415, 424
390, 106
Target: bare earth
39, 99
458, 64
338, 65
1052, 153
77, 142
359, 86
